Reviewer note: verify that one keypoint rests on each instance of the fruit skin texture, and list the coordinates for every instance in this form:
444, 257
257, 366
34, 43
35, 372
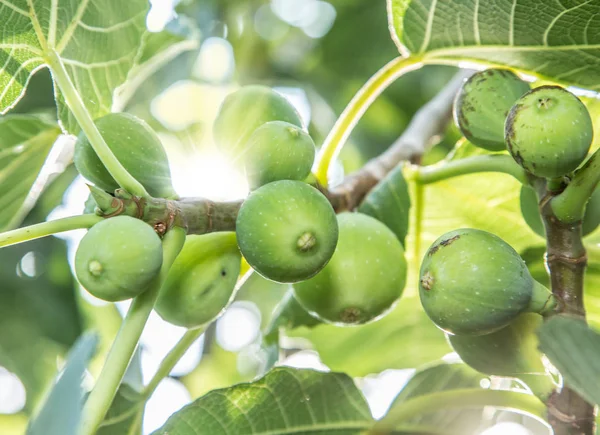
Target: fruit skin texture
483, 103
136, 146
363, 279
531, 214
278, 150
287, 231
245, 110
474, 283
549, 132
200, 283
118, 258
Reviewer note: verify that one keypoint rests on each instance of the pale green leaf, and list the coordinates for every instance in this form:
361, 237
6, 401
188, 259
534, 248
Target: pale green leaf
559, 40
25, 142
97, 40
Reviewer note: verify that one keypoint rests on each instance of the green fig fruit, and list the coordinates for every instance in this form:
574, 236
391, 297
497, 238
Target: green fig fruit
483, 103
287, 231
531, 212
511, 351
200, 283
473, 283
275, 151
118, 258
138, 149
363, 279
245, 110
549, 132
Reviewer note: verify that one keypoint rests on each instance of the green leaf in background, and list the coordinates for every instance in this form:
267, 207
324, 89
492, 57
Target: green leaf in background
61, 412
285, 401
555, 40
126, 411
574, 349
97, 40
389, 202
25, 142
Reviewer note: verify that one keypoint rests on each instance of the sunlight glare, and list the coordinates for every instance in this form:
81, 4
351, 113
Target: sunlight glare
12, 393
169, 397
507, 428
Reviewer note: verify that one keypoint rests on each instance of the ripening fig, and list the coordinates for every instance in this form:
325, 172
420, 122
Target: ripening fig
200, 283
275, 151
287, 230
483, 103
118, 258
245, 110
549, 132
511, 351
363, 279
138, 149
473, 283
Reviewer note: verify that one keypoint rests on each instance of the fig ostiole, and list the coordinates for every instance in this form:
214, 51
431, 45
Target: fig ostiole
275, 151
363, 279
118, 258
549, 132
246, 109
136, 146
201, 282
287, 231
483, 103
474, 283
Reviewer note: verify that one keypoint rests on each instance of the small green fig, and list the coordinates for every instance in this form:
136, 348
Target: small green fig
363, 279
287, 231
118, 258
483, 103
531, 212
511, 351
200, 283
473, 283
138, 149
278, 150
549, 132
245, 110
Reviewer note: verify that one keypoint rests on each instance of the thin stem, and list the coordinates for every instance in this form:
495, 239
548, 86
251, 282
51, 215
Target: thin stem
44, 229
470, 165
73, 99
357, 107
569, 206
124, 346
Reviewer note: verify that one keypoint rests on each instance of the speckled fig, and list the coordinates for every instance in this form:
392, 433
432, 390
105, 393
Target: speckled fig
200, 283
287, 230
511, 351
246, 109
363, 279
138, 149
118, 258
531, 212
474, 283
275, 151
483, 103
549, 132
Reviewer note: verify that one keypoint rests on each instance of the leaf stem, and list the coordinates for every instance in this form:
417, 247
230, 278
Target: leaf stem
73, 99
124, 346
470, 165
357, 107
44, 229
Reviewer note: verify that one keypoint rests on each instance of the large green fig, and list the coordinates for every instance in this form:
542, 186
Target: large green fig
118, 258
473, 283
483, 103
363, 279
136, 146
201, 281
245, 110
278, 151
531, 212
549, 132
287, 231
